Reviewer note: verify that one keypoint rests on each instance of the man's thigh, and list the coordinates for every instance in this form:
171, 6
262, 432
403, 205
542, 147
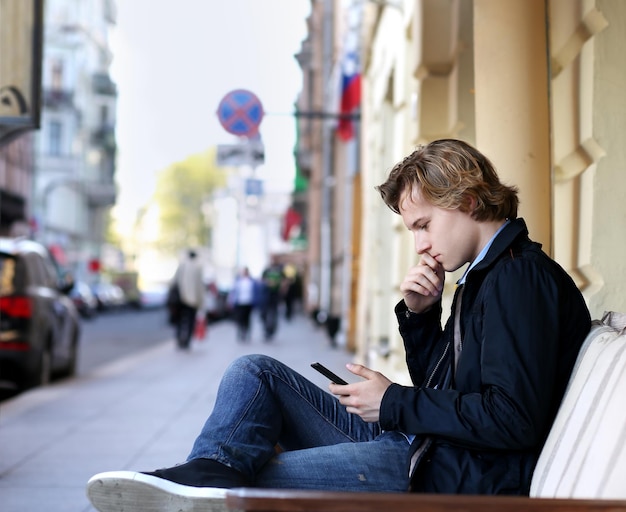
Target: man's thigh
372, 466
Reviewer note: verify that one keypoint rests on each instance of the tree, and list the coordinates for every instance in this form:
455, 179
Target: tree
183, 192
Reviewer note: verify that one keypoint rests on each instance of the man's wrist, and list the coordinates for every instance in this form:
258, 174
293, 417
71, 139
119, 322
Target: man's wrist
409, 312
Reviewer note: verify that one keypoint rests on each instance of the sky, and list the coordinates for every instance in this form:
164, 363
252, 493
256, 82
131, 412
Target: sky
174, 60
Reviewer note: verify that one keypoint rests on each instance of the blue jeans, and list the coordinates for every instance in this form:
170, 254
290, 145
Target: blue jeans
262, 403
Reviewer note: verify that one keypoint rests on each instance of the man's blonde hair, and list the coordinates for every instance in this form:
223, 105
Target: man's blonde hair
449, 173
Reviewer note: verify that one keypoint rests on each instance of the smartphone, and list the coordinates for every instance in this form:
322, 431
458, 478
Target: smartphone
327, 373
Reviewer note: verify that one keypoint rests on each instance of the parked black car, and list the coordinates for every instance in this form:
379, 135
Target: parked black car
39, 324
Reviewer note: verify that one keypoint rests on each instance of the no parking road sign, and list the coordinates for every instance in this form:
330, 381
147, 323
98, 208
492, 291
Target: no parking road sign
240, 112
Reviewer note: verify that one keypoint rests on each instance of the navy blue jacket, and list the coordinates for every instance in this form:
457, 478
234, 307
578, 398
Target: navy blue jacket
523, 321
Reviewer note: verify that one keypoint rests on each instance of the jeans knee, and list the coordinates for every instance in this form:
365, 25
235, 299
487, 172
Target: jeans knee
253, 363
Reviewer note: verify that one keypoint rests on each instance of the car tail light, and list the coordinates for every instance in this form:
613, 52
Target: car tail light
15, 346
17, 307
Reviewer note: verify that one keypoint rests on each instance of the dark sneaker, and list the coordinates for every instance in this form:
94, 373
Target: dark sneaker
130, 491
202, 473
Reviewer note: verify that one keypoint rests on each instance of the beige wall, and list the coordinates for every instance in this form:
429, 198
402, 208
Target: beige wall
548, 107
587, 44
512, 109
603, 248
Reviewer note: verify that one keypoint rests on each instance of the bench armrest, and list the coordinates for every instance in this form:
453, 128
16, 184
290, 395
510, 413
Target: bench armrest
273, 500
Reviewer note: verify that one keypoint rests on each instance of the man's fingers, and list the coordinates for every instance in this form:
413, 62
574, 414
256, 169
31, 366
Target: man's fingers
421, 285
361, 371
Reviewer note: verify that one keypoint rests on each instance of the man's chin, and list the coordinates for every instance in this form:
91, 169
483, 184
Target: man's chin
452, 268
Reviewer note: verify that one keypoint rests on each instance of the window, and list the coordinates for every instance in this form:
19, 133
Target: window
50, 272
57, 75
7, 275
36, 275
55, 134
104, 115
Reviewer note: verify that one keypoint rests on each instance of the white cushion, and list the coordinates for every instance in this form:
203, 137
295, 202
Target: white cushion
585, 453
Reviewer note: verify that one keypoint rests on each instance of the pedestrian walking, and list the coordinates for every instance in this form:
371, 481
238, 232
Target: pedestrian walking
485, 388
292, 290
273, 281
188, 286
242, 299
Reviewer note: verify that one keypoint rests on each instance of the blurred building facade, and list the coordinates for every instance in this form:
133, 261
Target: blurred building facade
57, 182
328, 157
535, 84
75, 147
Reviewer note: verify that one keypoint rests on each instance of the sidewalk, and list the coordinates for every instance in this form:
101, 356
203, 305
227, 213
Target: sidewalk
139, 413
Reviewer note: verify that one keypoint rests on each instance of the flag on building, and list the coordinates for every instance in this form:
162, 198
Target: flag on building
292, 224
350, 96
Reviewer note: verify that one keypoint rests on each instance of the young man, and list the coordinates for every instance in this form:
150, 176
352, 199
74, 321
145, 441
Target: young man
482, 399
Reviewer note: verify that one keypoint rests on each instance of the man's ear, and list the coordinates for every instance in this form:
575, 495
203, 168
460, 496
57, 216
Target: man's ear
469, 204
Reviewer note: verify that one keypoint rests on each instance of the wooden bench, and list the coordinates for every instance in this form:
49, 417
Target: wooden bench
582, 466
267, 500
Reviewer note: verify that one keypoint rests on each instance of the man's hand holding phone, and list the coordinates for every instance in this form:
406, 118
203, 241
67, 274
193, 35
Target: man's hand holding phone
360, 398
327, 373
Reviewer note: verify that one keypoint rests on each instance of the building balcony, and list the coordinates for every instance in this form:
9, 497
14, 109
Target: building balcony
102, 84
104, 137
100, 195
58, 98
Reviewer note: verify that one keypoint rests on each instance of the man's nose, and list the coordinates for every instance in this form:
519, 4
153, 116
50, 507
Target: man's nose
421, 243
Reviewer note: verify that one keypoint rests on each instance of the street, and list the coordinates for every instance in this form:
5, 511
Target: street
114, 334
140, 410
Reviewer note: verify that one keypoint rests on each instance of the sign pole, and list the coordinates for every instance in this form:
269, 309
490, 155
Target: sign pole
240, 112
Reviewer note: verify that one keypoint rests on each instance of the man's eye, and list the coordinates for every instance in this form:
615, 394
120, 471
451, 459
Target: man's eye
422, 227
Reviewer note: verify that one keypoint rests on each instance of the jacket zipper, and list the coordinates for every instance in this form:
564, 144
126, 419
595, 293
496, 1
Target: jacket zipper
441, 359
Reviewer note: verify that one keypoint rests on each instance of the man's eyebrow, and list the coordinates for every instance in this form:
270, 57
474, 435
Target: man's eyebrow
417, 222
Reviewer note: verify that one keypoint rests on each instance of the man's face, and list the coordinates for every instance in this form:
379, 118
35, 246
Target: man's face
451, 237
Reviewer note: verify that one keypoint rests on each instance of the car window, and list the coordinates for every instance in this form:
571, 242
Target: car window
50, 272
11, 274
36, 269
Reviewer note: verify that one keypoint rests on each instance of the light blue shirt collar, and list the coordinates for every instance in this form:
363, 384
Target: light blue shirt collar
482, 253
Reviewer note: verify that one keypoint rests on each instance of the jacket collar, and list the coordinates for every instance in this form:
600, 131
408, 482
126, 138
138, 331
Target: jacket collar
503, 241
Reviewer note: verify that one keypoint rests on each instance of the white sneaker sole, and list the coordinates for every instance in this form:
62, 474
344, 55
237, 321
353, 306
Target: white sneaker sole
129, 491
